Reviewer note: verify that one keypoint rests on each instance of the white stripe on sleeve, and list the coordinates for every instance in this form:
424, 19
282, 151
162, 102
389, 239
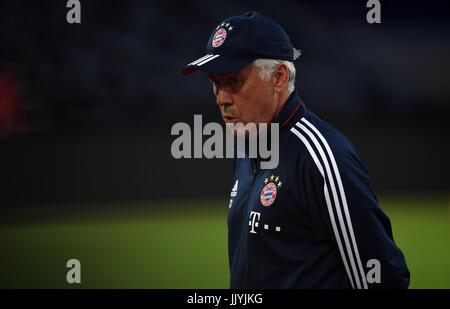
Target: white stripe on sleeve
336, 200
343, 198
328, 201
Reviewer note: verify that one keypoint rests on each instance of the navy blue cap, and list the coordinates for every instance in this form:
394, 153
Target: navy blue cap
239, 40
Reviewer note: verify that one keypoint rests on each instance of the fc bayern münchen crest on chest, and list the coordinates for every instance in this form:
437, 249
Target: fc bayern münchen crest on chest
270, 190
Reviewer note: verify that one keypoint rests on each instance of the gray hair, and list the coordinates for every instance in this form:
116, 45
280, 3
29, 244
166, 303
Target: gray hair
267, 67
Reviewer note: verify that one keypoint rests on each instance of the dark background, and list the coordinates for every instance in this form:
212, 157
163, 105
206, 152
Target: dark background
97, 99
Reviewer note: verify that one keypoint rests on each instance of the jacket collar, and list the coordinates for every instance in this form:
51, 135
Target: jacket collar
292, 106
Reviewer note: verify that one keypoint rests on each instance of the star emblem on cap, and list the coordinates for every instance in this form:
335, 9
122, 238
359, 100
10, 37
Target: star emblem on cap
230, 28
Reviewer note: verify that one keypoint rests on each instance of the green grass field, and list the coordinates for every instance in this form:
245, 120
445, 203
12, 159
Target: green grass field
158, 247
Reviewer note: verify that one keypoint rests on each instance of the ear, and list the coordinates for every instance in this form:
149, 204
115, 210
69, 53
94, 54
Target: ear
280, 77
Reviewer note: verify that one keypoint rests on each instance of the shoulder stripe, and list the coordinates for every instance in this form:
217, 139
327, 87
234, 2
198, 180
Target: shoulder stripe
327, 199
329, 175
301, 130
311, 151
343, 198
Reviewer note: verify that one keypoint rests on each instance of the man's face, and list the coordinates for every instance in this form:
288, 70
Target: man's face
244, 97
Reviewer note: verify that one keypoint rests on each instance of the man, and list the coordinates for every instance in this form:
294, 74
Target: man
314, 220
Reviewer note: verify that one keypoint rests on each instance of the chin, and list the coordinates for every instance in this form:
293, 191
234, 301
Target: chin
240, 129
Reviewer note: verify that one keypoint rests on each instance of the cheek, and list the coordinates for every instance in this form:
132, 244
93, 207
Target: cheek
238, 107
255, 103
262, 103
250, 109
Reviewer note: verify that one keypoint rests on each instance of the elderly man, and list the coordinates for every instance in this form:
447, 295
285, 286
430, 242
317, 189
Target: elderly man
314, 220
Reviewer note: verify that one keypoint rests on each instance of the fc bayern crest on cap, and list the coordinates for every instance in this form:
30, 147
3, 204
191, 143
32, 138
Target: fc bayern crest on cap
219, 37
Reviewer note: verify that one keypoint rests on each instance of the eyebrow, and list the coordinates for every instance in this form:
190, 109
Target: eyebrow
240, 74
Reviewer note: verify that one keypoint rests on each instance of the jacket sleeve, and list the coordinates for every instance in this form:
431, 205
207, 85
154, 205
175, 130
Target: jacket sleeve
343, 203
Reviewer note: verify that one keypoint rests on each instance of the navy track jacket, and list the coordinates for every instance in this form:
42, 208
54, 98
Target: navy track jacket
314, 221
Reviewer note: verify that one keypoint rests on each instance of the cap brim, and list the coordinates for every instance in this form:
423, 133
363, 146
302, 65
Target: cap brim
216, 64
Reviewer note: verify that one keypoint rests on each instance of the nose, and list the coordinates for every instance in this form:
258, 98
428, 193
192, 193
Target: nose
223, 97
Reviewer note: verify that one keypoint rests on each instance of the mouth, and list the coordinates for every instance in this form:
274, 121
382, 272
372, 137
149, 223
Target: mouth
229, 119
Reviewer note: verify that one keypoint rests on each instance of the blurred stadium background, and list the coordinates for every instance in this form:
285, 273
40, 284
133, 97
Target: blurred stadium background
85, 117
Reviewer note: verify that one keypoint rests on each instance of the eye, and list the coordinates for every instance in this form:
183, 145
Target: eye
235, 80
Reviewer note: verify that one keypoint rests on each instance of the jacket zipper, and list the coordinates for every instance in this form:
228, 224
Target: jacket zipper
254, 173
